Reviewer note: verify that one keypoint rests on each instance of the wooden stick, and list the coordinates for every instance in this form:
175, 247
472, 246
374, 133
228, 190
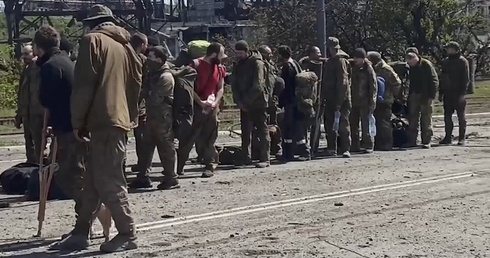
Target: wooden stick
40, 213
52, 168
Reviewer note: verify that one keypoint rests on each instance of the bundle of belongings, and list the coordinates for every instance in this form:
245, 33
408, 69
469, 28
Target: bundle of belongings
23, 179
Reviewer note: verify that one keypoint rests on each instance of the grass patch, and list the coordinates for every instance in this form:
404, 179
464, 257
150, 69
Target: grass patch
482, 89
6, 129
7, 112
5, 142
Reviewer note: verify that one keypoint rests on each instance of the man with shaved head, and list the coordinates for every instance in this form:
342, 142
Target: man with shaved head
29, 110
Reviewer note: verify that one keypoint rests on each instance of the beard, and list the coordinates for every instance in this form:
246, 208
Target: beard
216, 61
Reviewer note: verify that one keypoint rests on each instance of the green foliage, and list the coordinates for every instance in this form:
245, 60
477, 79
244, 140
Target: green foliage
10, 70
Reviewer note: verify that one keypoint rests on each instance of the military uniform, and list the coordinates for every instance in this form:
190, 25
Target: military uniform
383, 112
423, 86
294, 125
31, 112
455, 79
140, 129
252, 95
106, 105
363, 95
159, 100
317, 67
336, 94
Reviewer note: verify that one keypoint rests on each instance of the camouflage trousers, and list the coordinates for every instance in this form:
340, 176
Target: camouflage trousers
294, 131
104, 182
204, 130
360, 114
452, 104
71, 157
420, 112
255, 118
33, 131
344, 128
140, 145
384, 128
159, 133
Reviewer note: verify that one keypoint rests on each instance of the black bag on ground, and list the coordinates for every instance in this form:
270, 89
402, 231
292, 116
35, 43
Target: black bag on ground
15, 179
55, 191
400, 131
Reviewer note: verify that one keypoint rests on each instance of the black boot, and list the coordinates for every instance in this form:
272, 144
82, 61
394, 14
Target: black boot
462, 136
448, 139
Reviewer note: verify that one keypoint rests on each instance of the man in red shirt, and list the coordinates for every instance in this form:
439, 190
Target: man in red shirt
209, 88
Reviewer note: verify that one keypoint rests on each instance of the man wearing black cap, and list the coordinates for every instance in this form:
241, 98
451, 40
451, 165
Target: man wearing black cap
336, 94
104, 107
251, 94
295, 123
455, 79
364, 94
423, 86
384, 128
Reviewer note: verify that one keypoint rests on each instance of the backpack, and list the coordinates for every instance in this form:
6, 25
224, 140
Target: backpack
381, 88
33, 186
15, 179
402, 70
306, 92
183, 100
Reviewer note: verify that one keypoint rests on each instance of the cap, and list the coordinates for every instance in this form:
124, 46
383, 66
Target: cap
160, 52
98, 11
153, 40
359, 53
374, 56
65, 44
241, 45
412, 50
453, 44
333, 42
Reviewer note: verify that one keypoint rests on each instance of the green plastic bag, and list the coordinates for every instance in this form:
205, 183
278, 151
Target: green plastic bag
197, 48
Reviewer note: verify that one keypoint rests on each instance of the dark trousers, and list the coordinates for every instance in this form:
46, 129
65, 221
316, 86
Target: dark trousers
344, 128
384, 128
255, 118
294, 133
452, 104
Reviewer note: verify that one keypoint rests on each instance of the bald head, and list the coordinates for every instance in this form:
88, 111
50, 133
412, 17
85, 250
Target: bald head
27, 54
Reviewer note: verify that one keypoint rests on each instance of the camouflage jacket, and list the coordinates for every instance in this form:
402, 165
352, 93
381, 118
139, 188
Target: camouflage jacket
455, 76
337, 80
424, 79
28, 102
159, 94
248, 82
364, 86
141, 101
393, 84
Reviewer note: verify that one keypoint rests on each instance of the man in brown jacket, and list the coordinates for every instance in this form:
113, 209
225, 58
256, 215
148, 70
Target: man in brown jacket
30, 113
104, 107
364, 93
383, 112
455, 78
336, 94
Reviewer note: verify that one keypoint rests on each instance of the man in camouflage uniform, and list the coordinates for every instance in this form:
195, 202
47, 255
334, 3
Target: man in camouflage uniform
252, 96
363, 95
455, 79
424, 82
104, 107
159, 101
30, 113
315, 63
139, 42
383, 112
336, 94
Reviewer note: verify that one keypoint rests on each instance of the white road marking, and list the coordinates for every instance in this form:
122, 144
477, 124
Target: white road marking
287, 203
297, 201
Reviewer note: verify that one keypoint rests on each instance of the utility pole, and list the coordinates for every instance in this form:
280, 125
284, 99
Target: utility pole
321, 26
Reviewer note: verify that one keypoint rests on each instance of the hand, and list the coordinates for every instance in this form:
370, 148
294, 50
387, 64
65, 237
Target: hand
18, 121
203, 103
440, 98
79, 138
49, 131
214, 105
